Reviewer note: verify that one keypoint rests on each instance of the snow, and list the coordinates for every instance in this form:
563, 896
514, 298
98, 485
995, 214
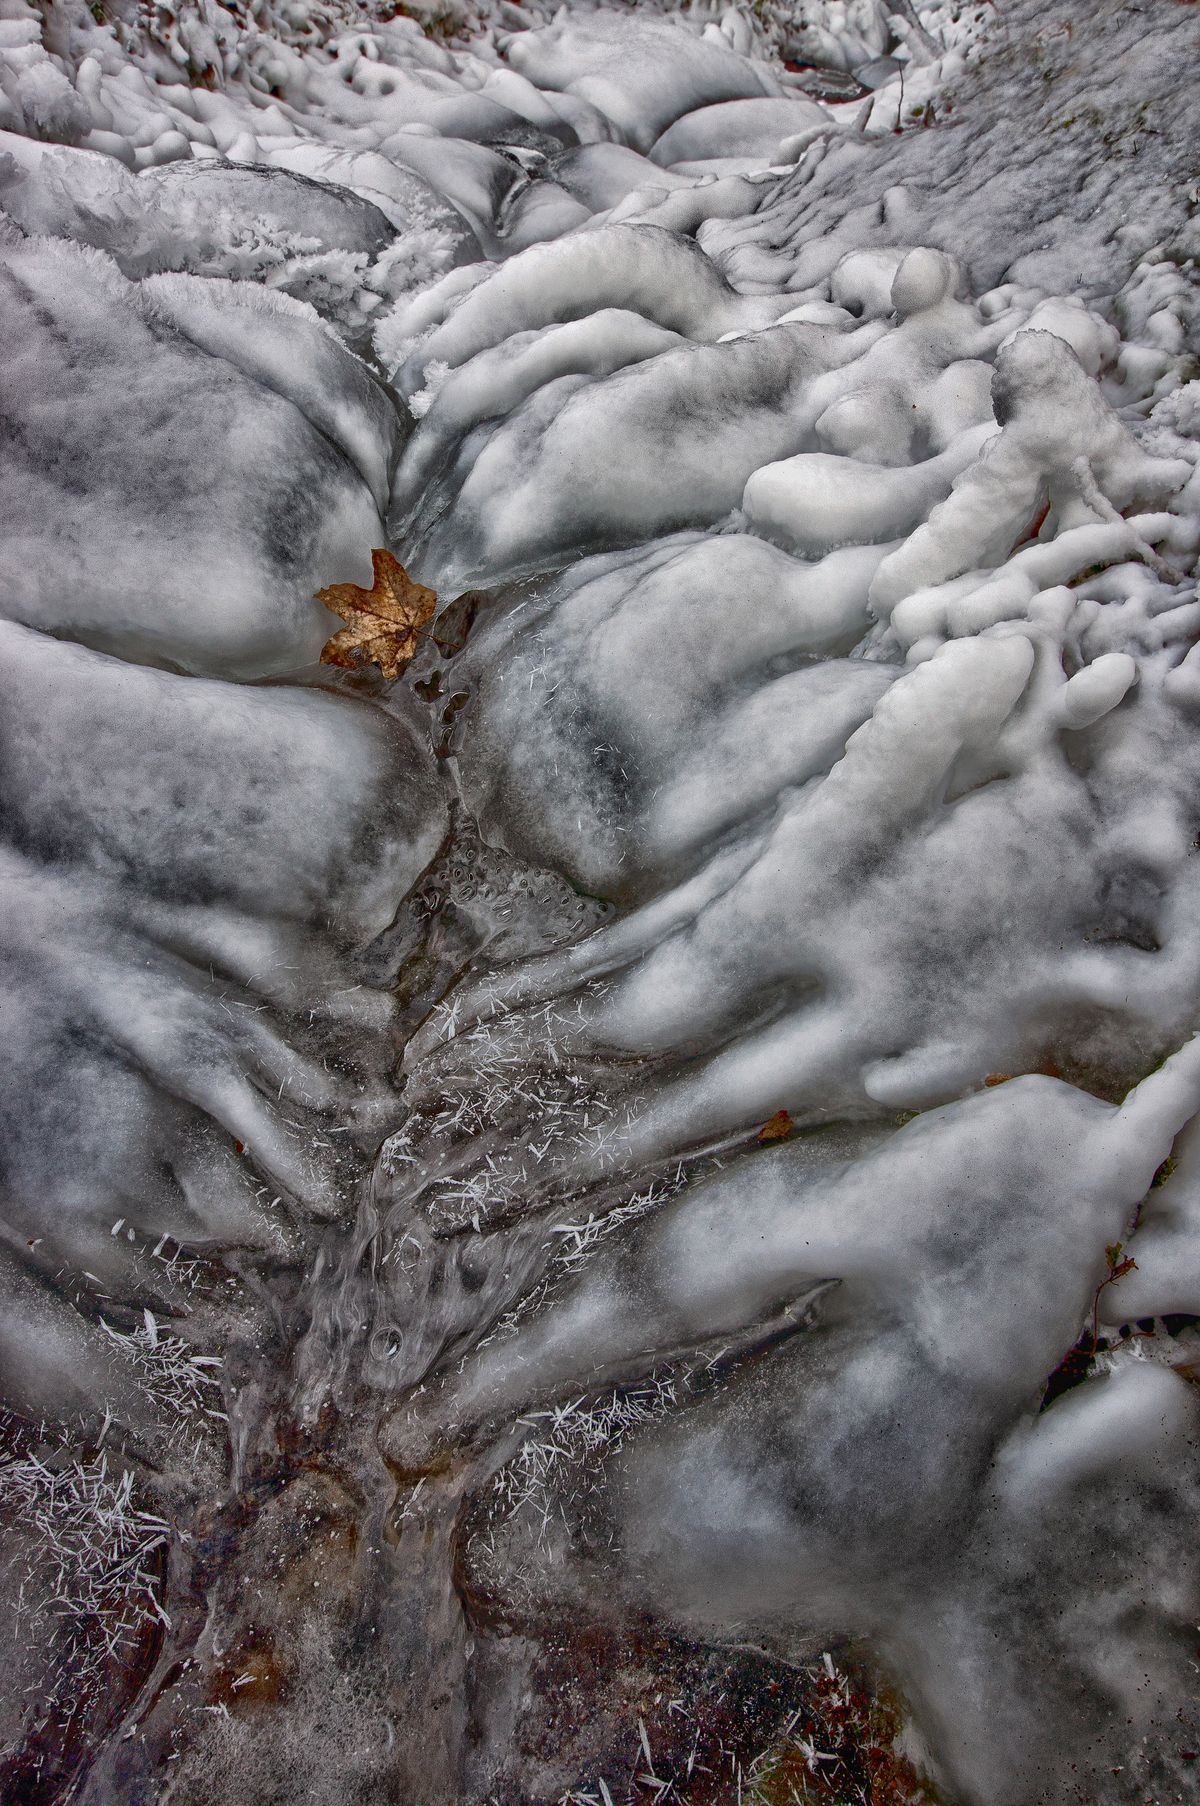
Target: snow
807, 461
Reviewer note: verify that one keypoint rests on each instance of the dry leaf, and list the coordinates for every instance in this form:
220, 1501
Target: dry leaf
779, 1127
383, 622
1117, 1268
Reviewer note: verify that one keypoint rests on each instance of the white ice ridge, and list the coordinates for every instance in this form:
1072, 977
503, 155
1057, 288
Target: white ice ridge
820, 484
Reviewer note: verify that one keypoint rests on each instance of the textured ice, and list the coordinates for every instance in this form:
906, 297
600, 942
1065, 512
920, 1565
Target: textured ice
115, 389
653, 1160
735, 128
614, 715
641, 74
204, 846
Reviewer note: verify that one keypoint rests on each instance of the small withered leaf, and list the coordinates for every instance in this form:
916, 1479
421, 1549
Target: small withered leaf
383, 623
1117, 1268
778, 1128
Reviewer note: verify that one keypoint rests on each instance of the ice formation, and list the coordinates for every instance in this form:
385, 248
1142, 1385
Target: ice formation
667, 1135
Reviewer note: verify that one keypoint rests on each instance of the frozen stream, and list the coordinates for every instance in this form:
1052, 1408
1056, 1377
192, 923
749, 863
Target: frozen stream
608, 1211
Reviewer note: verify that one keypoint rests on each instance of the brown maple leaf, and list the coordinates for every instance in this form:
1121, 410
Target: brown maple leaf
382, 623
778, 1128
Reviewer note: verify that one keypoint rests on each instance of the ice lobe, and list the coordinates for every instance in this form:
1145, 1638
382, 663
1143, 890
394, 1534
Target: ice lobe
334, 807
602, 175
176, 851
1060, 447
494, 383
662, 276
873, 937
736, 128
207, 454
624, 456
191, 868
633, 714
812, 502
893, 1476
963, 1239
641, 74
879, 1452
415, 207
182, 215
1167, 1275
900, 404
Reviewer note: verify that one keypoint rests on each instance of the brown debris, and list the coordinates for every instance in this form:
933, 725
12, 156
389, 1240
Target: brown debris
383, 623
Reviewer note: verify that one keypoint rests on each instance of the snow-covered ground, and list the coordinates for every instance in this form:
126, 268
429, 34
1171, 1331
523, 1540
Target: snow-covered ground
616, 1216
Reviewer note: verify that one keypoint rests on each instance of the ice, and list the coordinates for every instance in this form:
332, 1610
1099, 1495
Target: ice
1060, 447
964, 1232
155, 928
215, 576
840, 36
417, 210
839, 1488
626, 456
54, 1361
959, 759
495, 382
644, 648
735, 128
363, 830
1167, 1275
191, 215
601, 175
642, 75
814, 502
661, 276
658, 1147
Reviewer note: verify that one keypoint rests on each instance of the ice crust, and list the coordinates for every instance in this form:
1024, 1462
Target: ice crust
864, 1481
827, 503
